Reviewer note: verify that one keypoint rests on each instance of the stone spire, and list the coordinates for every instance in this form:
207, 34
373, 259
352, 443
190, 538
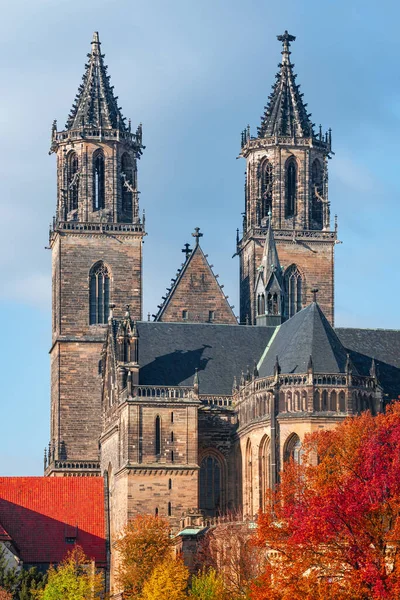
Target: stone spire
285, 113
270, 260
95, 105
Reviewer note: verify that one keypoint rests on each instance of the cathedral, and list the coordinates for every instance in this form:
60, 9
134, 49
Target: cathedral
194, 413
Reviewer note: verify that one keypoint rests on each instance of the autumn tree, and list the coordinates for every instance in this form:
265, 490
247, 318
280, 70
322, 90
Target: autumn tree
168, 581
333, 529
73, 579
144, 544
4, 595
229, 550
208, 585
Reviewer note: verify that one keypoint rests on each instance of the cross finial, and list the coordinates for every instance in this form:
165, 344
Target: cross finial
197, 235
187, 250
286, 38
314, 292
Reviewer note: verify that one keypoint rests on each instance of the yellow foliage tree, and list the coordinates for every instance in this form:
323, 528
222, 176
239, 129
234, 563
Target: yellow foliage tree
168, 581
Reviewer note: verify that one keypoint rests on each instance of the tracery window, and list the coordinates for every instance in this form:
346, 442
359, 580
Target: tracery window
126, 186
293, 449
99, 294
291, 187
261, 304
294, 285
210, 485
72, 181
317, 208
98, 181
266, 188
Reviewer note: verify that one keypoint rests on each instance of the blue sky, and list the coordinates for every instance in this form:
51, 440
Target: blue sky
194, 73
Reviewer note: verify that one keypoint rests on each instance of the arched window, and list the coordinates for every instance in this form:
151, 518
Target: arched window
157, 436
99, 294
317, 209
210, 485
249, 480
293, 449
127, 185
264, 470
266, 188
333, 402
169, 509
98, 181
291, 187
342, 402
317, 401
294, 290
72, 181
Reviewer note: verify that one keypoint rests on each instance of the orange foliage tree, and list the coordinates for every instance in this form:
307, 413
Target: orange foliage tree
4, 595
333, 528
145, 543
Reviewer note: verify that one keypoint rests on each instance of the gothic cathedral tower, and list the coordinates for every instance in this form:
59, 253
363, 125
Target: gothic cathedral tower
287, 185
96, 244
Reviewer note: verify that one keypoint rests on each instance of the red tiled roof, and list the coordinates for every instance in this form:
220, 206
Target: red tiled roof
39, 513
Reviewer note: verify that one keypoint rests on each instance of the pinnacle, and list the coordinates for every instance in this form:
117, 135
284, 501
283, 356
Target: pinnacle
285, 114
95, 105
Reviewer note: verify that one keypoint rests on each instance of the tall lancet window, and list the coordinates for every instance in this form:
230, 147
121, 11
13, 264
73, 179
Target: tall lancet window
72, 181
294, 290
266, 188
99, 294
126, 187
98, 181
291, 187
210, 485
317, 208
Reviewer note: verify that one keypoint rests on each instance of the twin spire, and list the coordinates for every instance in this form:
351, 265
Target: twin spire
95, 105
285, 114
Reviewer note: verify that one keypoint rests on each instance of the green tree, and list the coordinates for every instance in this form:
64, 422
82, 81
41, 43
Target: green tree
73, 579
20, 583
208, 585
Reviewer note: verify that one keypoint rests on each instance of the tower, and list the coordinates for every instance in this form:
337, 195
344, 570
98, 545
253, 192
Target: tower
287, 175
96, 243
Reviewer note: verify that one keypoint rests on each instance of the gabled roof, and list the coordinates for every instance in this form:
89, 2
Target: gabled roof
4, 536
307, 333
39, 513
196, 290
95, 104
285, 113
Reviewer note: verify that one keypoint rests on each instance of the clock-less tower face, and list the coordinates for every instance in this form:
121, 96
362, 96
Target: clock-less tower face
96, 243
287, 177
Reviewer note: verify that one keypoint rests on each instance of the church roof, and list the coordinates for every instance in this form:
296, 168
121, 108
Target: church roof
95, 104
170, 353
285, 113
307, 333
196, 289
41, 513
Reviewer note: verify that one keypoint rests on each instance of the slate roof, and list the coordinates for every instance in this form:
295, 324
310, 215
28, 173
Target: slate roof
285, 113
381, 344
38, 513
95, 104
307, 333
169, 353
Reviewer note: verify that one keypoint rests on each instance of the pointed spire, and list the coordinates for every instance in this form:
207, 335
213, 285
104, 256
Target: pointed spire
372, 371
234, 385
95, 105
270, 259
255, 370
285, 114
277, 367
310, 366
196, 381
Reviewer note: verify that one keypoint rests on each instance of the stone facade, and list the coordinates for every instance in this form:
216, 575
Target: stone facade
194, 415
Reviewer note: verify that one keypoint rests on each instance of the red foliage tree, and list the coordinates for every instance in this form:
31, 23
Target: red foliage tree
333, 528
